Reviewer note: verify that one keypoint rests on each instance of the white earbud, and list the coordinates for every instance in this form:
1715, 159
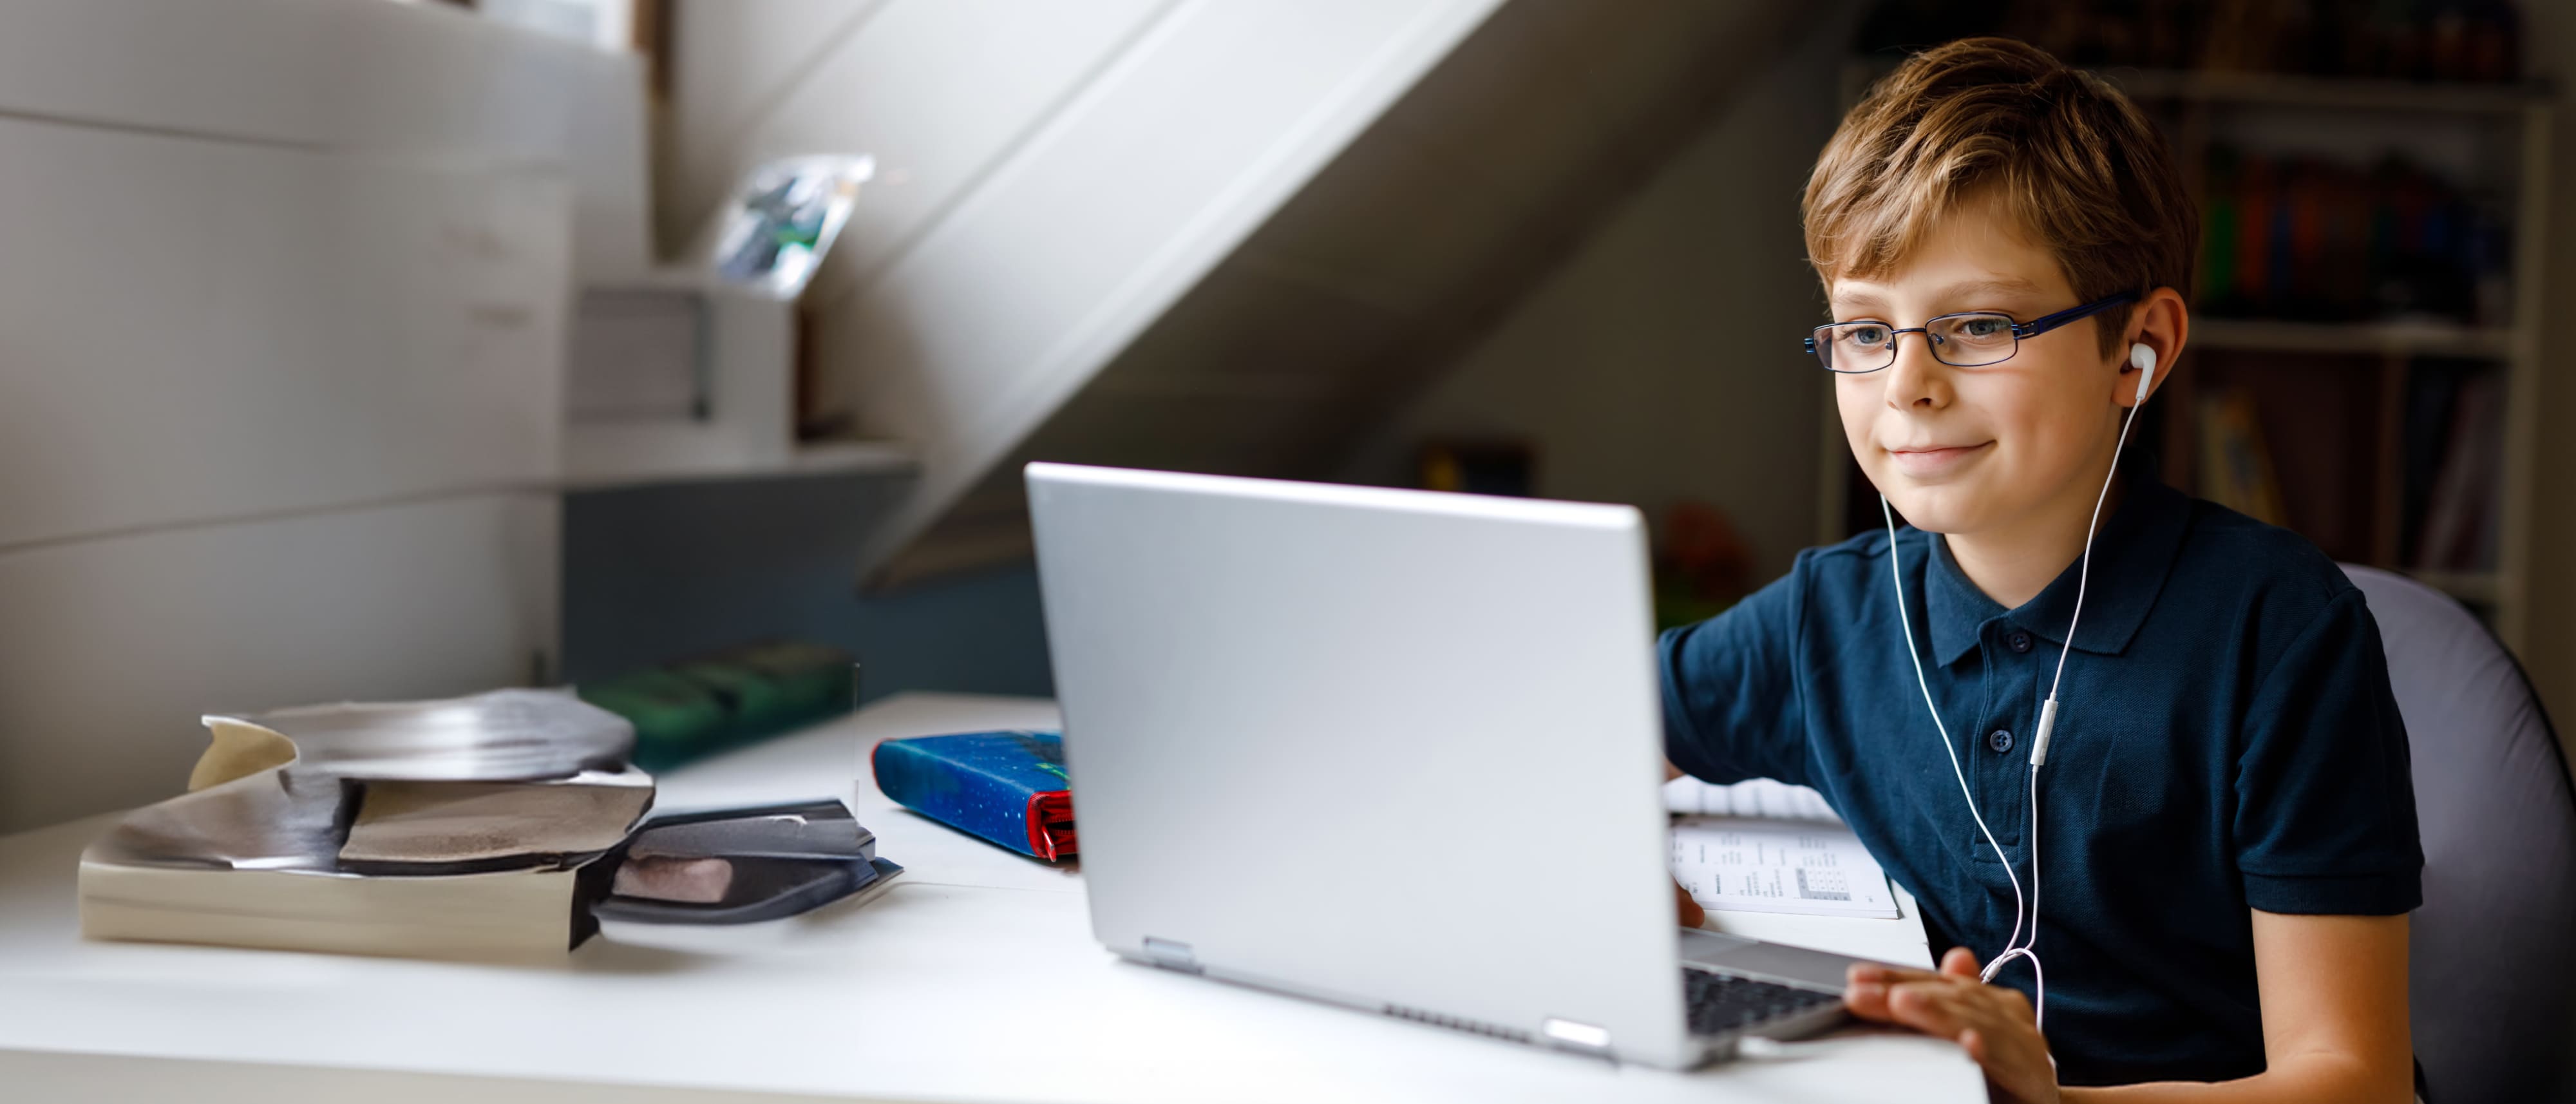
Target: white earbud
2143, 359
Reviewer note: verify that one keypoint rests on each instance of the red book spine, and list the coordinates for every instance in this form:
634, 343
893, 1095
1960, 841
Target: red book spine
1051, 825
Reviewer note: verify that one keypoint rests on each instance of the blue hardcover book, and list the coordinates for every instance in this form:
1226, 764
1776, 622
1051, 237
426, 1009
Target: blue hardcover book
1008, 787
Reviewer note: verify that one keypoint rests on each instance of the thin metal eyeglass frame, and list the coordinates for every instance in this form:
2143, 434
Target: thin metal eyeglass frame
2021, 331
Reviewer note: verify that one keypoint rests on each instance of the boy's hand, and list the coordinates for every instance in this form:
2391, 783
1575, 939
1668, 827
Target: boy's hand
1992, 1023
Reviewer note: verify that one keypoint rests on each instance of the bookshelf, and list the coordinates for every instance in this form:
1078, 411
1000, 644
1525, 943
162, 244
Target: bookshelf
2364, 417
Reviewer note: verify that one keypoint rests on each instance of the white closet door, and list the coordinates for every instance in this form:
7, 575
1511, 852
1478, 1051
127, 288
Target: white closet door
110, 650
196, 331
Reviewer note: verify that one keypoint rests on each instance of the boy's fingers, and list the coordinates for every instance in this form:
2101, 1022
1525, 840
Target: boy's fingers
1933, 1007
1974, 1043
1959, 962
1985, 1021
1892, 975
1929, 1008
1866, 999
1690, 913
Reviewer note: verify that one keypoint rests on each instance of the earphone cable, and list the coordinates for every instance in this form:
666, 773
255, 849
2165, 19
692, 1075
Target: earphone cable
2015, 945
1896, 571
2084, 571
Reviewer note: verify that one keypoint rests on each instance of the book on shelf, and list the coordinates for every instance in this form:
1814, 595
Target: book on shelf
2308, 239
2235, 463
2461, 512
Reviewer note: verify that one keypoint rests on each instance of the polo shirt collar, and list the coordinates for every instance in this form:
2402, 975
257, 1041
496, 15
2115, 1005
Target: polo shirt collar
2132, 556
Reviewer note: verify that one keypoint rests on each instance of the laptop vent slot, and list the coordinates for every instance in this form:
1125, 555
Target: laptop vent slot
1454, 1023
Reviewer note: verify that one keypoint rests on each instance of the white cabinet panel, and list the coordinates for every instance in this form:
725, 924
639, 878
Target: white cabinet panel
443, 84
748, 341
115, 647
355, 75
242, 69
194, 330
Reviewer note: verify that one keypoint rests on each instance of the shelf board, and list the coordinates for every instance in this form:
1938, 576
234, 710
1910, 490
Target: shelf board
2387, 338
2364, 93
818, 458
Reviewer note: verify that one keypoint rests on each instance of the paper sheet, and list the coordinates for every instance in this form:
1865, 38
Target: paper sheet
1778, 866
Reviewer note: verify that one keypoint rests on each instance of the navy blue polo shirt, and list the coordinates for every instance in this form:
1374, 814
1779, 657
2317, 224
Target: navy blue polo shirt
2226, 740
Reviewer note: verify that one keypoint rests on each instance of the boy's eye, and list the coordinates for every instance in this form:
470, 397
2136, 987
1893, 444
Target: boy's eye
1986, 326
1865, 334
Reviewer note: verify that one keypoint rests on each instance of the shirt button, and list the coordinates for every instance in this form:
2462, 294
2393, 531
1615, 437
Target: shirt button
2000, 740
2019, 640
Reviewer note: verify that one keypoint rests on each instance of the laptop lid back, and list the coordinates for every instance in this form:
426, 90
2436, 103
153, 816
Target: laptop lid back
1396, 749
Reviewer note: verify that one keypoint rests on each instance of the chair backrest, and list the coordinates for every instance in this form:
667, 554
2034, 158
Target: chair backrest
2492, 956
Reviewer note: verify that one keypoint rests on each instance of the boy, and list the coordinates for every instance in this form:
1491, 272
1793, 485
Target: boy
2226, 805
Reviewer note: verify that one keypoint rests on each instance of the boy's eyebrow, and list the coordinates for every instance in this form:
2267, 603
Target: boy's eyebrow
1859, 298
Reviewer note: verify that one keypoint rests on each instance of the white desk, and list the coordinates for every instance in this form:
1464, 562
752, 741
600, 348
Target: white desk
974, 978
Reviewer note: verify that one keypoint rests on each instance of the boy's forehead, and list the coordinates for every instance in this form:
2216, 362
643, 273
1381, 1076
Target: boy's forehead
1971, 251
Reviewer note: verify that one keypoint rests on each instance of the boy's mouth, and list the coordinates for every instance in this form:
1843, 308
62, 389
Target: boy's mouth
1935, 461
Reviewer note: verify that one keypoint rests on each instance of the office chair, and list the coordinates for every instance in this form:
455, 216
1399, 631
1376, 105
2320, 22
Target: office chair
2493, 950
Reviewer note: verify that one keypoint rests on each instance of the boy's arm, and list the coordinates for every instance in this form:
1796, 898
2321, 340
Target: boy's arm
1731, 703
2334, 1019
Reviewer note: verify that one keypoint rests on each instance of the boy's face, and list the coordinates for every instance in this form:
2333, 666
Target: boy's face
1980, 451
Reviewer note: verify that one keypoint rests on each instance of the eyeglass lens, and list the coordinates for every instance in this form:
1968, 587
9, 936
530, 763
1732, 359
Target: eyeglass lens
1958, 340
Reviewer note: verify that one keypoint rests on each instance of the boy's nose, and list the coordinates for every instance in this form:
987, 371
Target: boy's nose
1917, 379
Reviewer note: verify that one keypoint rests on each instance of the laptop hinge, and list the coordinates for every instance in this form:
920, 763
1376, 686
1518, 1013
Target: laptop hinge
1581, 1038
1172, 954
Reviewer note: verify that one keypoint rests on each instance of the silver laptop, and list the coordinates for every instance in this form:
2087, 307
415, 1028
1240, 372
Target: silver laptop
1395, 750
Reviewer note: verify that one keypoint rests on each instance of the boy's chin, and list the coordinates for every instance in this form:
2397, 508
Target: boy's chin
1935, 509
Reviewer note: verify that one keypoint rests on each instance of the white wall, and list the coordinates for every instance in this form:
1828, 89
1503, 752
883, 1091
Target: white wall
1661, 362
936, 90
1056, 176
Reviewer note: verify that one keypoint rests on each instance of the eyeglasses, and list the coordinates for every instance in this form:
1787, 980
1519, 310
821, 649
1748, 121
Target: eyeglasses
1969, 339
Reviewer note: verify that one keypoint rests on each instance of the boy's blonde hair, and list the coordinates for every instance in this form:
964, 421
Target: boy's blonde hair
2058, 151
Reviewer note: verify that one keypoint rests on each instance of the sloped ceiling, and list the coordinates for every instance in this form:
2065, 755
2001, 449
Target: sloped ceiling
1357, 292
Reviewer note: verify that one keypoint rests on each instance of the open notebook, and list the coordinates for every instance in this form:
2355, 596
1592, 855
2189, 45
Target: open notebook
1763, 846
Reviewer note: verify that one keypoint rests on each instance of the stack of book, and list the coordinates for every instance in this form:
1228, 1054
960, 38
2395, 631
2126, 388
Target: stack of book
495, 827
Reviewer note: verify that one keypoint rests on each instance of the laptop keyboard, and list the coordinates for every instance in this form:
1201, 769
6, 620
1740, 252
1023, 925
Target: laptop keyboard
1720, 1003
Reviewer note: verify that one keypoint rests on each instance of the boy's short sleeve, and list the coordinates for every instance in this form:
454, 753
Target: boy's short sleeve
2325, 799
1731, 703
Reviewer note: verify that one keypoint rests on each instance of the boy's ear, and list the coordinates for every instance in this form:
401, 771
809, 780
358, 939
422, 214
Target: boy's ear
2161, 324
2141, 372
